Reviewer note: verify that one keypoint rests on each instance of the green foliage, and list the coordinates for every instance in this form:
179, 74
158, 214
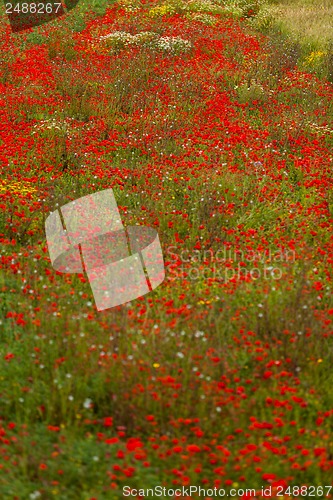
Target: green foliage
303, 22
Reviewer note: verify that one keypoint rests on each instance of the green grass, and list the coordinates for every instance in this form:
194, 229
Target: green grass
307, 23
307, 20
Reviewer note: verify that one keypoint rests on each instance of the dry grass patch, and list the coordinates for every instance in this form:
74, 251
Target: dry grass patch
306, 19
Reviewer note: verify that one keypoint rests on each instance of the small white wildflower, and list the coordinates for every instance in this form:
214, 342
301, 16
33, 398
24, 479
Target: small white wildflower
87, 403
35, 494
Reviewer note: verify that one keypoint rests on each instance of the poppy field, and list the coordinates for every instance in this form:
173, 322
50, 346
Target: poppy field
208, 131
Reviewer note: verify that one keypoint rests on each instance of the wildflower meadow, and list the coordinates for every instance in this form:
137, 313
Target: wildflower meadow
212, 124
